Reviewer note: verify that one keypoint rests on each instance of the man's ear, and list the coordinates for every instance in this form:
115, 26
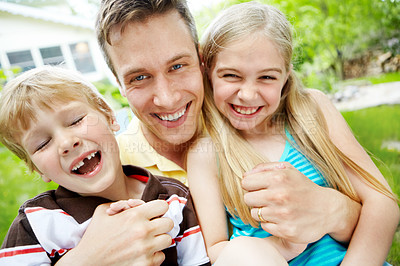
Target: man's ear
201, 58
121, 90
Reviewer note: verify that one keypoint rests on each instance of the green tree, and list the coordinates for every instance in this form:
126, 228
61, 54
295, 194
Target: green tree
329, 32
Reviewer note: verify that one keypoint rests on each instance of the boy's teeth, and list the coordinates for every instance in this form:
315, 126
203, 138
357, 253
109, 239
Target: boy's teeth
81, 163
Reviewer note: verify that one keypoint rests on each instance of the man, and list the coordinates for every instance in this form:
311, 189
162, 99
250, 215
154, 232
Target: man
151, 46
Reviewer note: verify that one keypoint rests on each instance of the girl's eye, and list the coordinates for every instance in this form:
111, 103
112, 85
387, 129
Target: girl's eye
177, 66
230, 76
77, 120
268, 77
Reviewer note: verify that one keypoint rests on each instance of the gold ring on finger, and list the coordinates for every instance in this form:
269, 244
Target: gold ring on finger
260, 217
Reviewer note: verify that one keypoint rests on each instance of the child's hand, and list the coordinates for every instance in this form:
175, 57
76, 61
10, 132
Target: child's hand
122, 205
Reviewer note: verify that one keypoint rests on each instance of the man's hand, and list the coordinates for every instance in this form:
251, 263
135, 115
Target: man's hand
135, 236
294, 207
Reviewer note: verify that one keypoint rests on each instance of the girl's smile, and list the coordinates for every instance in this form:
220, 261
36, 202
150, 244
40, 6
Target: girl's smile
247, 79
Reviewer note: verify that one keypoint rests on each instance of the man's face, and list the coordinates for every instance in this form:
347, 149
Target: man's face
159, 72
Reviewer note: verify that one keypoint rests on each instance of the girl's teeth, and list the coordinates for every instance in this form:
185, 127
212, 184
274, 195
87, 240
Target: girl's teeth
245, 111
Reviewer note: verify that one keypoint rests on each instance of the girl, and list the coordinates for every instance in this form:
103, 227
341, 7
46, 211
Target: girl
256, 111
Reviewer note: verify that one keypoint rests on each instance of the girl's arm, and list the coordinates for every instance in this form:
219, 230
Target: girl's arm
204, 187
379, 217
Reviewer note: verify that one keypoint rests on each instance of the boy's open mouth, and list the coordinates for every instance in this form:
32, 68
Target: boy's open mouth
88, 164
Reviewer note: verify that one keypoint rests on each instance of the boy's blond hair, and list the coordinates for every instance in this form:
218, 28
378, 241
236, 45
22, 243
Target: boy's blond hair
42, 88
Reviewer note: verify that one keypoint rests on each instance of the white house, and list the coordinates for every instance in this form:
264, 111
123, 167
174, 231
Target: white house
31, 37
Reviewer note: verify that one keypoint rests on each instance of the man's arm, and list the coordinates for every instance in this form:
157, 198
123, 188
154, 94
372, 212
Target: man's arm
132, 237
296, 208
379, 217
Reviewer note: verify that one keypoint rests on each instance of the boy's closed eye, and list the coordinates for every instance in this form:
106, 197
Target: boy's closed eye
77, 120
42, 145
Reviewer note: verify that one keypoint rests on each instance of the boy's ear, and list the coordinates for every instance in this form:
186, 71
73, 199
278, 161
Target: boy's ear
114, 124
44, 178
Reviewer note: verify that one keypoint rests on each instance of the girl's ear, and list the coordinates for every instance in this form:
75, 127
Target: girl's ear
288, 73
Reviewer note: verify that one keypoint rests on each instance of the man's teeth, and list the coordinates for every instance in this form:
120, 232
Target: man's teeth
245, 110
81, 163
172, 117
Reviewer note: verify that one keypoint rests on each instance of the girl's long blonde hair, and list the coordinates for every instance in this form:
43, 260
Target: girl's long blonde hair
297, 112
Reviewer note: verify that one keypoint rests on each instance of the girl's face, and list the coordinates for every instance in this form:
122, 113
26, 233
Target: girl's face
247, 78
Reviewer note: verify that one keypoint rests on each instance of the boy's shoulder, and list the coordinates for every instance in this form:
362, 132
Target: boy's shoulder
157, 187
45, 199
173, 185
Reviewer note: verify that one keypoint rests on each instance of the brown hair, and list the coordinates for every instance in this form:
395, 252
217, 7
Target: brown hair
122, 12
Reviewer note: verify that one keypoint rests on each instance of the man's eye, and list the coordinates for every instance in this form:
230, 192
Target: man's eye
139, 78
177, 66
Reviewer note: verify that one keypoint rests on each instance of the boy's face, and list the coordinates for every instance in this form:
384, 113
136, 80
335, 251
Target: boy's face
75, 147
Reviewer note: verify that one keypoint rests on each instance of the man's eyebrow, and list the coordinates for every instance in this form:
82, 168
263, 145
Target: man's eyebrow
132, 71
178, 57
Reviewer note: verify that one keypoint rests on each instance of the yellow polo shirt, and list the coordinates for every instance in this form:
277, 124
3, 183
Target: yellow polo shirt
136, 150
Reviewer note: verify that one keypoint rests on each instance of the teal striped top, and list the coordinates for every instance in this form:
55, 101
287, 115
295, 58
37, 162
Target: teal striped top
325, 251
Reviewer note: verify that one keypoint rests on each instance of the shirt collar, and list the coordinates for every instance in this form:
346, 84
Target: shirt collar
147, 156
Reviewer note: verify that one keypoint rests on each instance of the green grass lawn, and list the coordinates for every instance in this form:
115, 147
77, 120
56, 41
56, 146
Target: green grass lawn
373, 127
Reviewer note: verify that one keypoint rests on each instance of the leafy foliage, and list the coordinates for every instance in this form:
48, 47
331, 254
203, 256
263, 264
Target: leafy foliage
328, 32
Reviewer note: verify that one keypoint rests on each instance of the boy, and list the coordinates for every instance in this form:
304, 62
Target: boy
57, 123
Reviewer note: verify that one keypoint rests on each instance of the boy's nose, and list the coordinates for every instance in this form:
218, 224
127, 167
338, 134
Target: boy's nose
68, 145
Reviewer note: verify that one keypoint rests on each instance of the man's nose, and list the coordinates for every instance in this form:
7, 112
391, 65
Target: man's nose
166, 93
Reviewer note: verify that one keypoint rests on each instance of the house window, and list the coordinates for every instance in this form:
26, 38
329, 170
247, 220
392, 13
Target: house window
82, 57
22, 59
52, 55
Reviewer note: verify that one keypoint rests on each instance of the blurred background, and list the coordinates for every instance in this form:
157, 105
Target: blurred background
349, 49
